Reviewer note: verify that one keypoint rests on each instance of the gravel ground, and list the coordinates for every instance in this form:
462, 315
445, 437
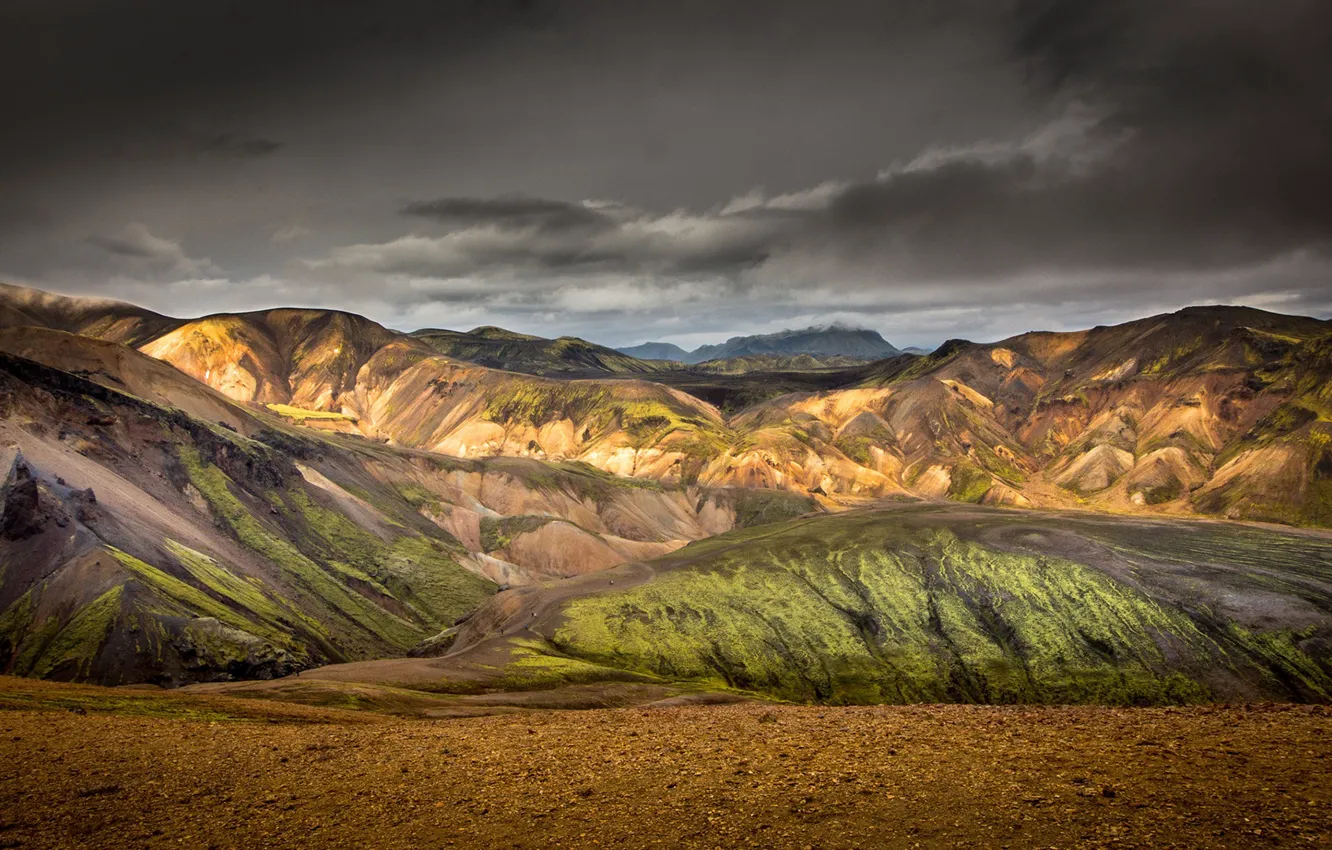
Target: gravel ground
713, 776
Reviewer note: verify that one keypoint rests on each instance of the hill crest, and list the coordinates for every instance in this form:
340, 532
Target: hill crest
833, 340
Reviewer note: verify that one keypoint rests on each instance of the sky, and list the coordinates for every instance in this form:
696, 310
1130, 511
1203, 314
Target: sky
682, 171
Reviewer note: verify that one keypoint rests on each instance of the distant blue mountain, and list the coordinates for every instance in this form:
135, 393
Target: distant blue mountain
828, 341
657, 351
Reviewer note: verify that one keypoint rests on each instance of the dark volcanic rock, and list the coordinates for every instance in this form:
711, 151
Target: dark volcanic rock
23, 514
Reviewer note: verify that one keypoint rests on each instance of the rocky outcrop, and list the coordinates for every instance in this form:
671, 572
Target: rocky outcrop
26, 512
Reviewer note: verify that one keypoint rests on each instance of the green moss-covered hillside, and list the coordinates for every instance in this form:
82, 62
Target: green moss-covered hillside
922, 605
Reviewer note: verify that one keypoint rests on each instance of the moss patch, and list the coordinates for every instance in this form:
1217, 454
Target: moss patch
580, 480
300, 413
498, 532
73, 648
761, 507
872, 608
536, 666
858, 447
323, 582
969, 483
195, 602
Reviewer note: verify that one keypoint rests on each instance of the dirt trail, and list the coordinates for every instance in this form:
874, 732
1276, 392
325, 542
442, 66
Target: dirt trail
721, 776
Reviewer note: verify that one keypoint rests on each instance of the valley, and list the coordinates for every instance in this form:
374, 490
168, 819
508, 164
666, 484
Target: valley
155, 530
545, 424
235, 499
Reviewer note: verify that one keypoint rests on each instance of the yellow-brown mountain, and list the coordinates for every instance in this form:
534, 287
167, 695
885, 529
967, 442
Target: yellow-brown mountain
153, 529
1219, 410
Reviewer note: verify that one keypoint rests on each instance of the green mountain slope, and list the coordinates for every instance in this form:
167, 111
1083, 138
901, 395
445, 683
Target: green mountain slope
141, 543
965, 605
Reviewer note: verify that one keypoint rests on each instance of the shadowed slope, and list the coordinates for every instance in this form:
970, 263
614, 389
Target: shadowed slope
564, 357
98, 317
141, 543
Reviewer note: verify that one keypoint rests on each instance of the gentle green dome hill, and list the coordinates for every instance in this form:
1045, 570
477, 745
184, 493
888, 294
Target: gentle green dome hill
958, 605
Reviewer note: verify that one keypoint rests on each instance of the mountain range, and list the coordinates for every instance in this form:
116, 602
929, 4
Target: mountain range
828, 341
570, 357
1219, 410
245, 495
565, 357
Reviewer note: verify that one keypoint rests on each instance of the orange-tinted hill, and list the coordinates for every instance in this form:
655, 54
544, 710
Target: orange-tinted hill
341, 371
305, 358
1211, 409
1220, 410
152, 529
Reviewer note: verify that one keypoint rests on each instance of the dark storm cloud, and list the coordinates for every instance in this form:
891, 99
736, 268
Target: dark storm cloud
1229, 103
1194, 136
158, 142
513, 212
1212, 121
149, 253
753, 164
537, 237
123, 247
225, 144
110, 69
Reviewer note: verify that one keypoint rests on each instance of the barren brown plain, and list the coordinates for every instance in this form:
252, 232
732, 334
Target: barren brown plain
94, 767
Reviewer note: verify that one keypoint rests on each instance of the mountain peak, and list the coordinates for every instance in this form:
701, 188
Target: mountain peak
493, 332
832, 340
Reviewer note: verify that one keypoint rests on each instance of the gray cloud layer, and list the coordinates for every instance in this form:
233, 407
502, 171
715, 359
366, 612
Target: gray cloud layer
680, 170
513, 212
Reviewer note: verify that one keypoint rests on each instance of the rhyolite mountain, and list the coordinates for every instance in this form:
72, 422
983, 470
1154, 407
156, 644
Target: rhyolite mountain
829, 341
566, 357
96, 317
154, 529
1216, 410
244, 495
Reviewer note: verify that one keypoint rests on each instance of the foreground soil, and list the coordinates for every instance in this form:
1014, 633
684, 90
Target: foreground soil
137, 769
